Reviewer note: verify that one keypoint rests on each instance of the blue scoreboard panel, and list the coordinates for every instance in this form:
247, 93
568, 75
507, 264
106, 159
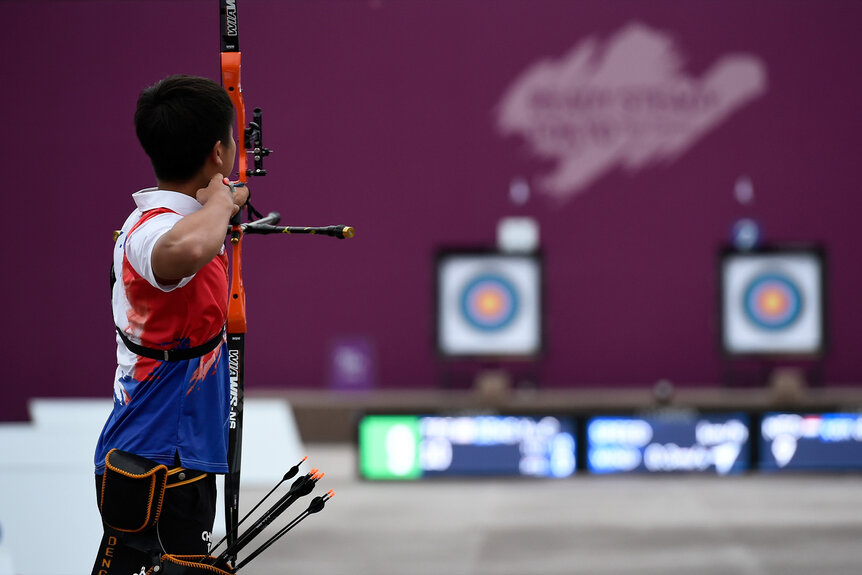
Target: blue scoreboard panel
678, 442
811, 442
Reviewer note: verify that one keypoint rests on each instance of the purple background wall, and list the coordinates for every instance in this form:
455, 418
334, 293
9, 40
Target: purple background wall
382, 115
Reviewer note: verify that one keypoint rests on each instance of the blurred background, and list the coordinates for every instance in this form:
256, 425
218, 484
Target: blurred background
595, 240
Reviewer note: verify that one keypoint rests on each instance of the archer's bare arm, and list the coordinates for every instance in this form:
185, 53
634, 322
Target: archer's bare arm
197, 238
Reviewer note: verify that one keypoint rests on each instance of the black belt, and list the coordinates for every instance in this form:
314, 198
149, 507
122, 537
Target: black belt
172, 354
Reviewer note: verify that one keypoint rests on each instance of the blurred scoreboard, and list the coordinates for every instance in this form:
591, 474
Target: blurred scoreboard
810, 442
408, 447
404, 447
678, 442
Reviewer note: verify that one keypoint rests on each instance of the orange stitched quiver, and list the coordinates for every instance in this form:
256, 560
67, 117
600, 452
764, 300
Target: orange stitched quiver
133, 489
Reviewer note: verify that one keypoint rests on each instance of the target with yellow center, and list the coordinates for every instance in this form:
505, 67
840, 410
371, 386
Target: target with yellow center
489, 302
772, 301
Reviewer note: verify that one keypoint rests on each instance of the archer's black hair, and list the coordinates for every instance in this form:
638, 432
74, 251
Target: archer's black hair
178, 121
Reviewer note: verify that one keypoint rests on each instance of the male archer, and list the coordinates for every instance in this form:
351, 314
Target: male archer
171, 388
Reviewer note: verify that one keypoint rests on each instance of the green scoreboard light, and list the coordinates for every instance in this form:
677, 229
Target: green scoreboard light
389, 447
409, 447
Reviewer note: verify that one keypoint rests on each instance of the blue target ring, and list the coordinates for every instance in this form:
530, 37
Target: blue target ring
489, 302
772, 301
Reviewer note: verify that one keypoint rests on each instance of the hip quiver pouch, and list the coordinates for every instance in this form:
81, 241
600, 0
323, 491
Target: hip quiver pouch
133, 489
187, 565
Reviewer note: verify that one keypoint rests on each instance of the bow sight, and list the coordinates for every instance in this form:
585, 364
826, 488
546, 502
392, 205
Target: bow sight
254, 144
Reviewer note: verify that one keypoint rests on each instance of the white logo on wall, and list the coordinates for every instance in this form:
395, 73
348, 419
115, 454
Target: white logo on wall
626, 102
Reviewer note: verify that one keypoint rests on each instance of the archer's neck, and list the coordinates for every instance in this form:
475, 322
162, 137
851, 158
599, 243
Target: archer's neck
189, 187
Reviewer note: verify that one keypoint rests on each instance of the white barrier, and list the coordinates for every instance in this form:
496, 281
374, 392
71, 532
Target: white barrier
49, 522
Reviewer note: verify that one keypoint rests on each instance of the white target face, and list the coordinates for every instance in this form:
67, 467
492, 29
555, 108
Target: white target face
772, 303
488, 305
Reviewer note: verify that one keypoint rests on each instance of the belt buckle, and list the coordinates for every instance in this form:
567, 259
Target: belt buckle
167, 355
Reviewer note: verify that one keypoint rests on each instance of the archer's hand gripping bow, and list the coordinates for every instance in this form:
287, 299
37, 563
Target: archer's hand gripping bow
250, 141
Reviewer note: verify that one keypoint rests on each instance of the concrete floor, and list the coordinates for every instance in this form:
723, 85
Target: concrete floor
668, 525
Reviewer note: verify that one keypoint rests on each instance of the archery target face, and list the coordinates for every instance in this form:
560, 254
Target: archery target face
488, 305
489, 302
772, 303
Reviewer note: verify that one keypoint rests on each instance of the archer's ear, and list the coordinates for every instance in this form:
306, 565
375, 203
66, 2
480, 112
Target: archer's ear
216, 154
